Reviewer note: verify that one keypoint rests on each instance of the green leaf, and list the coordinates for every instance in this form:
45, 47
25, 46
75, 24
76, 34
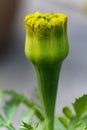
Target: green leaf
27, 126
80, 105
63, 121
37, 126
79, 120
22, 99
58, 125
40, 126
3, 123
10, 127
78, 124
27, 115
10, 109
67, 112
1, 96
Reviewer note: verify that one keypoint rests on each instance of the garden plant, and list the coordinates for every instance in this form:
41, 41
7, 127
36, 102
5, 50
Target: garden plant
46, 47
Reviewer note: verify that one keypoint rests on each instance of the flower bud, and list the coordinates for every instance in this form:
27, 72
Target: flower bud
46, 46
46, 38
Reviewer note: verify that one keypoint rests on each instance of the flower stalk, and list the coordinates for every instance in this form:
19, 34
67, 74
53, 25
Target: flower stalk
46, 46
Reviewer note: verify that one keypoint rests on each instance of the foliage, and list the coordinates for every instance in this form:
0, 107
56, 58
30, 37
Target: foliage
68, 121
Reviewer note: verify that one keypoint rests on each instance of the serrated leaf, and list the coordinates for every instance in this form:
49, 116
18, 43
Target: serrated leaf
22, 99
78, 124
10, 109
80, 105
72, 123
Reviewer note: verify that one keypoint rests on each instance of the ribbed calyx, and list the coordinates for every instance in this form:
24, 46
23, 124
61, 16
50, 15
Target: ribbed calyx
46, 46
46, 38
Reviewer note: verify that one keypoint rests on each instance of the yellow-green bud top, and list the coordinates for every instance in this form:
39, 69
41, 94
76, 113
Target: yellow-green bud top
39, 20
46, 38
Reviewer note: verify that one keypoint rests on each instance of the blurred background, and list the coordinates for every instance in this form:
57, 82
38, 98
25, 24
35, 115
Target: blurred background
17, 73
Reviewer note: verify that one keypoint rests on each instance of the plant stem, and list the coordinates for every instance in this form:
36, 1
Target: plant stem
46, 46
47, 77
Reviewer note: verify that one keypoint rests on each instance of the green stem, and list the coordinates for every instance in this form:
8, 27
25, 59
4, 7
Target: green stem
47, 77
46, 47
